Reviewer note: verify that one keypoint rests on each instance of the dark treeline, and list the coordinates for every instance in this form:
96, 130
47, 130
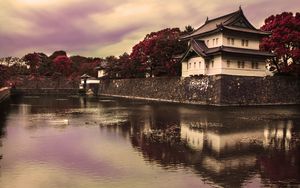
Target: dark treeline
153, 56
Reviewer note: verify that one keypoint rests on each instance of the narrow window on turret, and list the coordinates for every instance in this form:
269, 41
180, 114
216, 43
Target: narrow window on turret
190, 65
199, 64
246, 42
232, 41
256, 66
214, 42
243, 64
217, 41
212, 64
243, 42
253, 64
194, 65
239, 64
228, 63
207, 42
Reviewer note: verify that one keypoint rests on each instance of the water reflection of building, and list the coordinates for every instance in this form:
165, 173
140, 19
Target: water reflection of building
236, 151
221, 141
222, 151
279, 136
222, 148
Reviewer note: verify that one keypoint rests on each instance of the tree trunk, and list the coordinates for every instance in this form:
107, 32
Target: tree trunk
276, 65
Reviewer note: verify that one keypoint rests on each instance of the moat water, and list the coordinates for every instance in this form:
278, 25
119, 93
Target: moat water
77, 142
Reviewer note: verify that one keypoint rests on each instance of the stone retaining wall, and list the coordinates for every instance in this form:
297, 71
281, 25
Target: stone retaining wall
216, 90
46, 82
260, 91
46, 86
175, 89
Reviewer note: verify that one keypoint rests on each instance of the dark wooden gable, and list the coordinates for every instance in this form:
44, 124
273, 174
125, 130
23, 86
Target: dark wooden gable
196, 48
192, 53
241, 21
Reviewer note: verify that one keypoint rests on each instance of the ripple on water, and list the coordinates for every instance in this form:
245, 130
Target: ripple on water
61, 99
31, 97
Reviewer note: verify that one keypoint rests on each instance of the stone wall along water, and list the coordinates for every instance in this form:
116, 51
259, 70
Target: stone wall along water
260, 91
46, 85
219, 90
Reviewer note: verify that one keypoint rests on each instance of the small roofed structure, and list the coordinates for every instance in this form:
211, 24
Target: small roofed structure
226, 45
101, 69
85, 76
89, 84
83, 82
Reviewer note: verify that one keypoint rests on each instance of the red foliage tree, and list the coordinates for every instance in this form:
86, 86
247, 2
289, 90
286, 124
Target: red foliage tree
154, 55
62, 64
284, 41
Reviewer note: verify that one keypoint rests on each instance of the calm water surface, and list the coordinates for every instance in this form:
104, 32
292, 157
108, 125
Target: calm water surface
49, 142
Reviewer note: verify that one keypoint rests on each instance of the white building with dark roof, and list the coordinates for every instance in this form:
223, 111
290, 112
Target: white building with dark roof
227, 45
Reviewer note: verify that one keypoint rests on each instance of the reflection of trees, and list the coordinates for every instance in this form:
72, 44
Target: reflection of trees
166, 153
281, 166
4, 110
280, 163
161, 116
56, 103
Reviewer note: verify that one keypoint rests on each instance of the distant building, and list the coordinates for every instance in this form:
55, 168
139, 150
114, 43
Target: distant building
227, 45
101, 69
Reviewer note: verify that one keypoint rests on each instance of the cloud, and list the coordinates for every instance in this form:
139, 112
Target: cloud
94, 28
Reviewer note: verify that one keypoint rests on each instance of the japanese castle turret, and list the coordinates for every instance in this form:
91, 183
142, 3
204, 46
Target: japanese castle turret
227, 45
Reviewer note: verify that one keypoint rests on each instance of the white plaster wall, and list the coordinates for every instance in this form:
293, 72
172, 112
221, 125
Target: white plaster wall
193, 67
194, 138
184, 72
220, 143
100, 73
220, 67
210, 38
246, 71
217, 66
90, 81
232, 162
252, 43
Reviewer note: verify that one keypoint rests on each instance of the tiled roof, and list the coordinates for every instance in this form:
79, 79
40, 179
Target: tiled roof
210, 25
239, 51
201, 49
246, 30
227, 21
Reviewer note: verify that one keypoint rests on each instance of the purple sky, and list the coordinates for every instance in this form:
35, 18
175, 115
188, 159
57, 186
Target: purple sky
101, 28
